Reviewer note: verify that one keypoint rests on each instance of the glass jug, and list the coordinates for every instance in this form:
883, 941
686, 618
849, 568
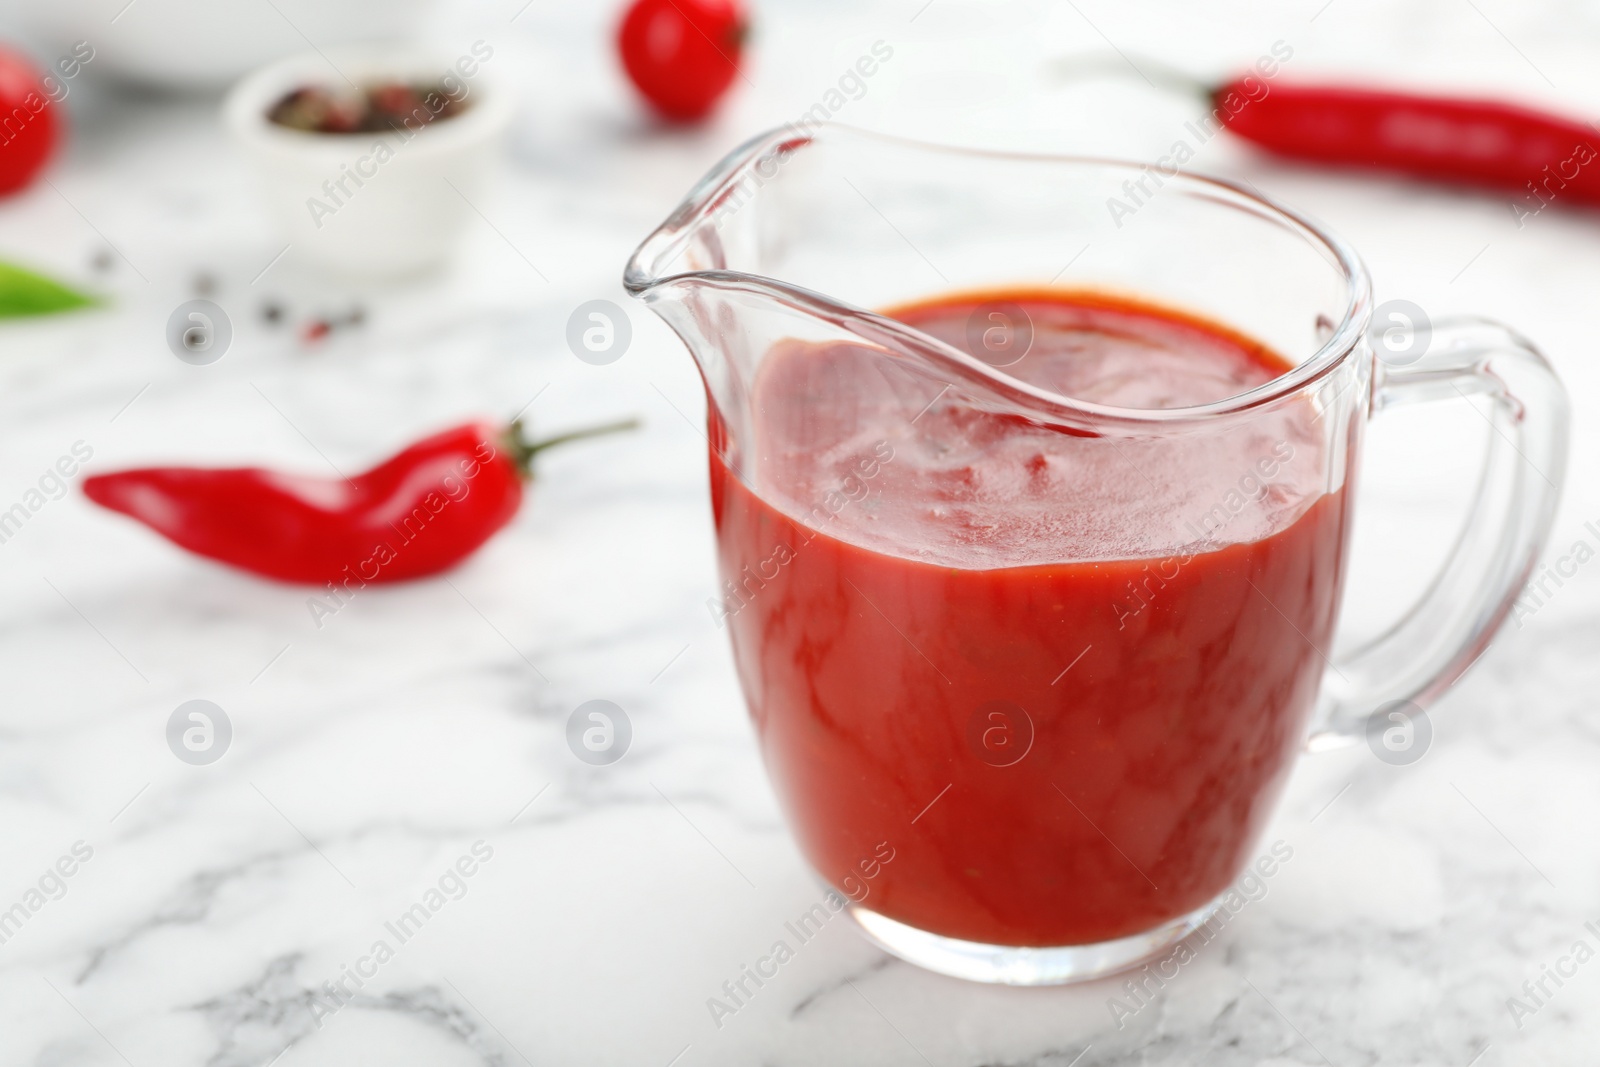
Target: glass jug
1030, 666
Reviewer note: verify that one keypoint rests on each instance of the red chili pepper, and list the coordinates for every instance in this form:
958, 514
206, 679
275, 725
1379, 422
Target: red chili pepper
1479, 142
420, 512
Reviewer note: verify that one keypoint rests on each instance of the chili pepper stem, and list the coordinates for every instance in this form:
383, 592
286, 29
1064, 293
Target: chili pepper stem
523, 451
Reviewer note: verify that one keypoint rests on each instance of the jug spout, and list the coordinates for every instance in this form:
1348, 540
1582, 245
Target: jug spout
697, 272
690, 240
745, 266
799, 233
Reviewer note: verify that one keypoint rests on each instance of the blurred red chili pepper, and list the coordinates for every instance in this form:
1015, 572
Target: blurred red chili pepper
1480, 142
417, 513
1486, 143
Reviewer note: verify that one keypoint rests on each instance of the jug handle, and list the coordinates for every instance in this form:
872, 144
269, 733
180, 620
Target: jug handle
1384, 684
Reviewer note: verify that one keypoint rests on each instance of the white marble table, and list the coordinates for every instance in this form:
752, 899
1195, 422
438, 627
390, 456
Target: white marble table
371, 755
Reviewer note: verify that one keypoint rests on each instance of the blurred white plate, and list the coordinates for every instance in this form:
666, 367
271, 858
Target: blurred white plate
201, 44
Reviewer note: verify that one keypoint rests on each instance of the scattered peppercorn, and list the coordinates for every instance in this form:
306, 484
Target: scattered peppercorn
375, 109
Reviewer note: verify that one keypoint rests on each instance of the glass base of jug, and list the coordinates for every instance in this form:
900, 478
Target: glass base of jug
1023, 966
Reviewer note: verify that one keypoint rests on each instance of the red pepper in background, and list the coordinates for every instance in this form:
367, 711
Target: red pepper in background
417, 513
1478, 142
1485, 143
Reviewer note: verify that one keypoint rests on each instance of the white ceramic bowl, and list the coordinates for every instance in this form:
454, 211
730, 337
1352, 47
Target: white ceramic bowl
373, 204
201, 44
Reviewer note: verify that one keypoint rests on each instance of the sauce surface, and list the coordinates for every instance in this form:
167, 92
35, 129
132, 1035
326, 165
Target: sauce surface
1093, 657
969, 489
